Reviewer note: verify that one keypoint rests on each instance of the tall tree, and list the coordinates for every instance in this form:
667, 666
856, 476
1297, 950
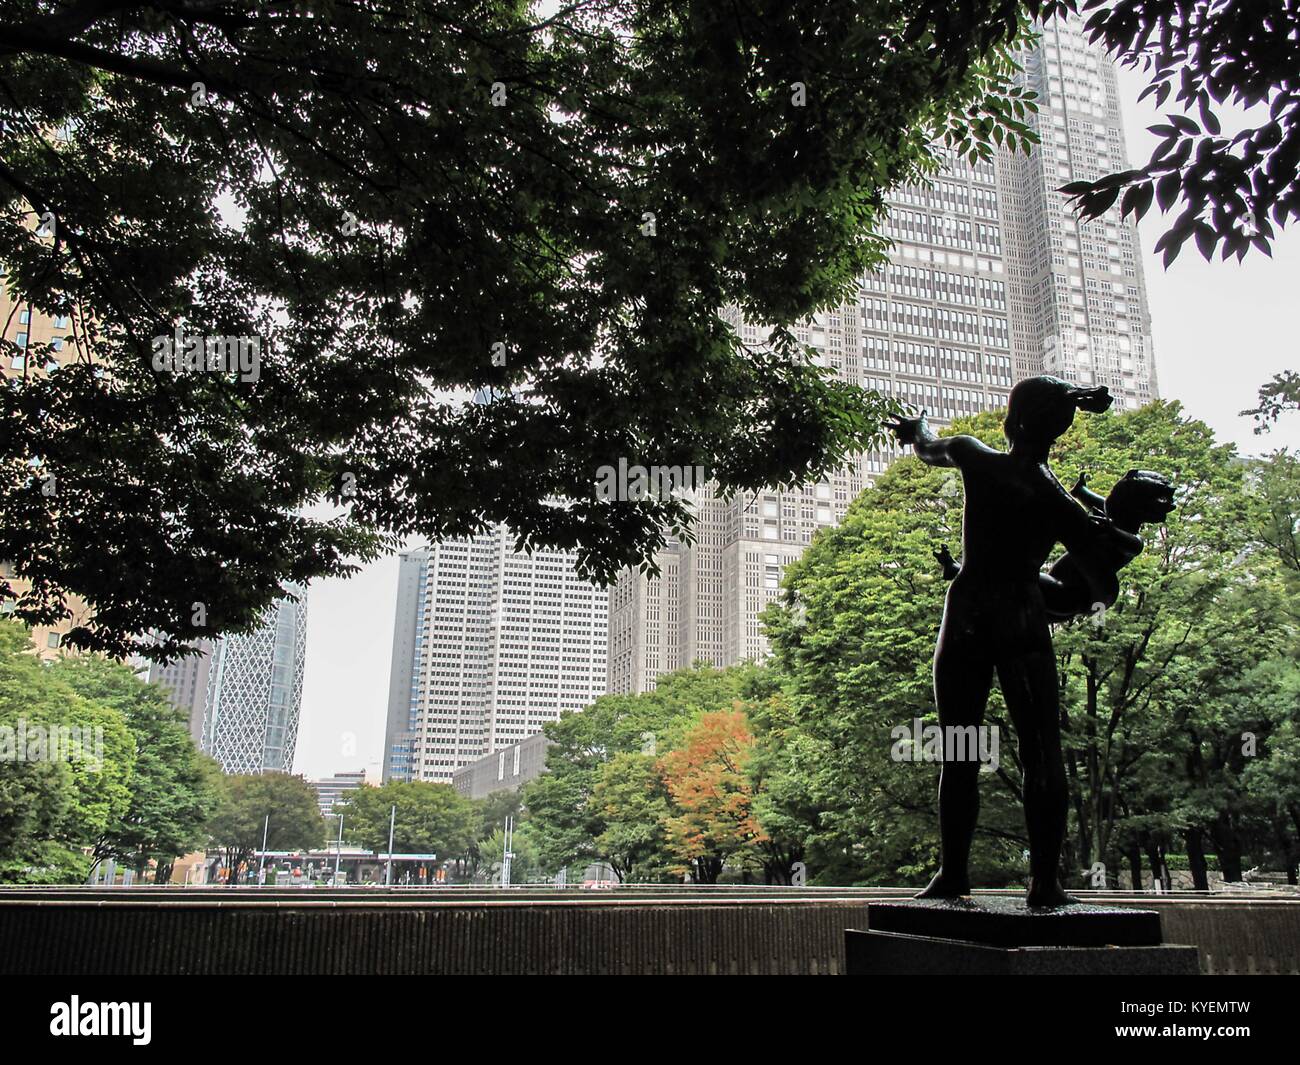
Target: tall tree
713, 822
781, 769
173, 787
398, 205
281, 807
66, 765
633, 805
567, 819
429, 818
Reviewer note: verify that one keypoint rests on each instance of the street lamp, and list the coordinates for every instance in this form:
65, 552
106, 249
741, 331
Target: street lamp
338, 852
261, 864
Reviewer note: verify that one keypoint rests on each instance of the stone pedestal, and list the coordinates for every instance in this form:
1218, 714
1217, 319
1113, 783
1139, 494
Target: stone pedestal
988, 936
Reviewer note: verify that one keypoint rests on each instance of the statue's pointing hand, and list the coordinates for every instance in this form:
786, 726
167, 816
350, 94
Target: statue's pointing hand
906, 430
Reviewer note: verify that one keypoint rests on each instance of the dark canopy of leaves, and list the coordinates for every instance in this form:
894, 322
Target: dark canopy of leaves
1233, 190
335, 179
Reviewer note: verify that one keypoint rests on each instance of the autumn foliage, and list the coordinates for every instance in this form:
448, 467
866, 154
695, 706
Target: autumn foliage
713, 795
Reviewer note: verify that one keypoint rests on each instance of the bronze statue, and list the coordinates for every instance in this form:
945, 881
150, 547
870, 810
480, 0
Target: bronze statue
996, 616
1139, 498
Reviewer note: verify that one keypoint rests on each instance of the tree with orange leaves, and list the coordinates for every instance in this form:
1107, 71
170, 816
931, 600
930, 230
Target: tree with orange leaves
713, 796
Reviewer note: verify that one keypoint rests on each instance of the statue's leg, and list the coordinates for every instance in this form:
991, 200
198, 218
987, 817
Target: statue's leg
1029, 687
963, 674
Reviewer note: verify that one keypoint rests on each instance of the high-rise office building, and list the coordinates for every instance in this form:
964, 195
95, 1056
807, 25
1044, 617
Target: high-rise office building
254, 691
186, 681
333, 790
929, 328
1077, 294
991, 279
36, 343
488, 645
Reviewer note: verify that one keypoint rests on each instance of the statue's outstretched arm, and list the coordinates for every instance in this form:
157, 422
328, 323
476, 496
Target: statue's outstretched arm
950, 565
1086, 495
959, 451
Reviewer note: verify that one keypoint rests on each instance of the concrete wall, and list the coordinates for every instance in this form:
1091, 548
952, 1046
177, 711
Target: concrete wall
243, 932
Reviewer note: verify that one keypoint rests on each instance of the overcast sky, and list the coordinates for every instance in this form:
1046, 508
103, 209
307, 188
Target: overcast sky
1220, 331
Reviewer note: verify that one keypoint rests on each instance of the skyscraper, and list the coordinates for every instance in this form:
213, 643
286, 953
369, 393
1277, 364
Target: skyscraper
254, 691
1077, 293
35, 343
186, 681
929, 328
990, 280
488, 645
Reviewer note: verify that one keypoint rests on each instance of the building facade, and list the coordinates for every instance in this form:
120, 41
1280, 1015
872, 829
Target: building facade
186, 681
335, 789
488, 645
991, 279
33, 344
1077, 293
505, 770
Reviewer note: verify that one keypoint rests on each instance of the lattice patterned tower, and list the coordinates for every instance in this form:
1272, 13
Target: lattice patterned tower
1077, 292
488, 645
250, 724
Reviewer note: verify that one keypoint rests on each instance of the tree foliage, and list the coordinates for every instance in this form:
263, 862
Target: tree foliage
633, 805
712, 822
1231, 190
406, 204
430, 818
281, 806
174, 789
600, 771
1280, 395
66, 767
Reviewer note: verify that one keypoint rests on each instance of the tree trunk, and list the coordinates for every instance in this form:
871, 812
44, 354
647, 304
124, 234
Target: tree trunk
1156, 860
1293, 846
707, 870
1196, 859
1228, 847
1135, 866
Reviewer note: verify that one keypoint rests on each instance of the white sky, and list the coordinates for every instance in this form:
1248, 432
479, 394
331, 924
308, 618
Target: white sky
1220, 331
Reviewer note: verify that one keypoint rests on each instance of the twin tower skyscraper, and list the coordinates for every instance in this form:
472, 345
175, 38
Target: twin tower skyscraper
992, 279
